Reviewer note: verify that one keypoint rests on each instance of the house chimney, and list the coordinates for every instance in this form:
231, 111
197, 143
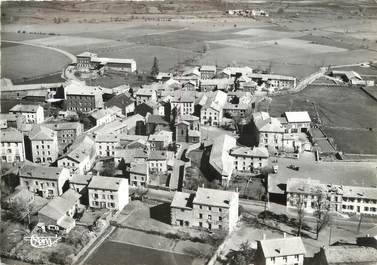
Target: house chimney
236, 189
203, 185
284, 235
264, 236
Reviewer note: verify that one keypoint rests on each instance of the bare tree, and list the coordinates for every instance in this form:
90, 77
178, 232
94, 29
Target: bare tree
300, 206
321, 209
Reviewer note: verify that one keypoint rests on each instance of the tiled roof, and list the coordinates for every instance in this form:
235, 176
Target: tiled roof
25, 108
211, 68
82, 147
80, 179
282, 247
157, 155
269, 125
182, 200
219, 157
360, 192
120, 101
11, 135
250, 152
157, 119
212, 197
139, 168
348, 254
105, 183
40, 172
297, 116
215, 100
63, 125
41, 133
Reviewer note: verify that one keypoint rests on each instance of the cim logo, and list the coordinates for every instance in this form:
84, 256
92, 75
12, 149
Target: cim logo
42, 241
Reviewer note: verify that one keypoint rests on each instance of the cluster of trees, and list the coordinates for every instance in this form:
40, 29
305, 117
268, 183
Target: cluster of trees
58, 20
244, 256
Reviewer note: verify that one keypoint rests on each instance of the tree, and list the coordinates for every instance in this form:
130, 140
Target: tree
244, 256
17, 211
155, 69
321, 209
300, 206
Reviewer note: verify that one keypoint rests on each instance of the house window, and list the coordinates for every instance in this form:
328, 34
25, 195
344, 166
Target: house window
200, 216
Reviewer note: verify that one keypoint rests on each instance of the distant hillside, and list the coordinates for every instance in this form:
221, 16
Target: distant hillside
102, 10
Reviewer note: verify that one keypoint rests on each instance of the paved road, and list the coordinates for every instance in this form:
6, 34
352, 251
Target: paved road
67, 54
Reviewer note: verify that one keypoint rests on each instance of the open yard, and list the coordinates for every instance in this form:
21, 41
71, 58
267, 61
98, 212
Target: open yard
340, 173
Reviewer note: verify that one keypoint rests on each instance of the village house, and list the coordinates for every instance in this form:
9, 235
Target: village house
207, 71
269, 131
230, 72
236, 110
158, 160
144, 95
46, 182
297, 121
119, 126
188, 129
44, 145
160, 140
346, 254
10, 120
57, 215
105, 144
105, 116
280, 251
79, 97
183, 102
211, 112
223, 84
340, 198
155, 123
12, 146
66, 131
220, 159
32, 113
108, 193
80, 183
249, 159
126, 154
206, 209
139, 174
124, 102
80, 156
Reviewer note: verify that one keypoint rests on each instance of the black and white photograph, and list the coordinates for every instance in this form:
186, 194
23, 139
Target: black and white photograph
188, 132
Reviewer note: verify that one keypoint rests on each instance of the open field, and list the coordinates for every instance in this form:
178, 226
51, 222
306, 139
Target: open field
125, 254
23, 61
293, 46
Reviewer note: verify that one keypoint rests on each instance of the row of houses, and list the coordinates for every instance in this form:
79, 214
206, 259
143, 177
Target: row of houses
308, 193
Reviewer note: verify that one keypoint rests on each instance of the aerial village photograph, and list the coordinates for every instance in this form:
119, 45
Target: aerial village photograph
188, 132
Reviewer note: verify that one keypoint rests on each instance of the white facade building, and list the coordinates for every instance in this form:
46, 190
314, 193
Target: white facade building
12, 146
280, 251
44, 145
206, 209
108, 193
32, 113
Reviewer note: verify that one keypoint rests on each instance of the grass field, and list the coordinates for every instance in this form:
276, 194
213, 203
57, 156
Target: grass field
23, 61
110, 253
